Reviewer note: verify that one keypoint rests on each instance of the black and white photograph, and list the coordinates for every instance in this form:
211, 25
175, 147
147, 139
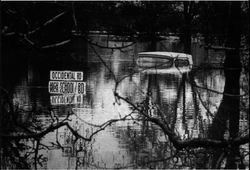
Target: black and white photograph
125, 84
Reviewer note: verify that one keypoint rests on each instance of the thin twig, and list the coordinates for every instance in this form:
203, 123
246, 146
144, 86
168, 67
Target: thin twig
103, 62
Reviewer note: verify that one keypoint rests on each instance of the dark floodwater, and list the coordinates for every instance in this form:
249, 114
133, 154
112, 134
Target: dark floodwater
130, 143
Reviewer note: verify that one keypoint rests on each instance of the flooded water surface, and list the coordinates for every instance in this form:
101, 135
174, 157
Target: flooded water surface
181, 99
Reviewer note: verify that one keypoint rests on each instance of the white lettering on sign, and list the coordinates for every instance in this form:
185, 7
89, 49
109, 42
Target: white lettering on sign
67, 87
66, 99
66, 75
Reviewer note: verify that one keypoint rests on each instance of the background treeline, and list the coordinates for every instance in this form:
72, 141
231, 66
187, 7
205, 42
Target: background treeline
145, 18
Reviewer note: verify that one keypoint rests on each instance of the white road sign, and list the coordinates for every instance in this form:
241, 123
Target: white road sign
66, 99
66, 75
67, 87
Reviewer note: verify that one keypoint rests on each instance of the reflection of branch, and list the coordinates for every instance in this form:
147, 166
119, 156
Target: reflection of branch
39, 135
112, 48
52, 127
218, 47
103, 62
134, 165
209, 112
134, 72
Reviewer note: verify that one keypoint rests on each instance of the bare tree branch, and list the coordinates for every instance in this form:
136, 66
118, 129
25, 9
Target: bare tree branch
56, 44
190, 143
36, 152
47, 22
215, 91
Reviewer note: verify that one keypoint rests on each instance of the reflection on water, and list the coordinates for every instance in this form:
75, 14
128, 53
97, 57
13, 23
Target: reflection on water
188, 109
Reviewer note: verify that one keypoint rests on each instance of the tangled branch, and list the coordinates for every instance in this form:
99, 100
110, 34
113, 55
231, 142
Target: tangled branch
190, 143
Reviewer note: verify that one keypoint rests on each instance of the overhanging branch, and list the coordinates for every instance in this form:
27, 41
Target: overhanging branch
189, 143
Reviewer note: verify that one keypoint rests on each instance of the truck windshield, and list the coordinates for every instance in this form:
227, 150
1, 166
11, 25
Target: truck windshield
146, 61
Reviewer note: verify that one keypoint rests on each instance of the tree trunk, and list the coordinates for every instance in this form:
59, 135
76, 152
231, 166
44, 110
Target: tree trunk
229, 108
232, 73
187, 27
